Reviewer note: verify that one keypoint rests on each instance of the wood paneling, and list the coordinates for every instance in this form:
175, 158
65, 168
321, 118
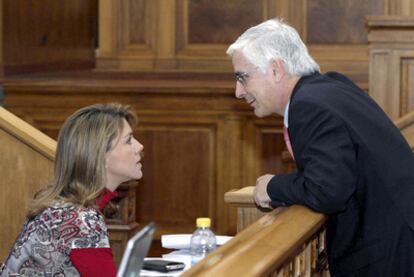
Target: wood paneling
193, 35
205, 17
1, 43
20, 184
179, 172
343, 20
127, 29
133, 21
272, 149
48, 35
407, 85
26, 164
179, 35
183, 34
400, 7
391, 63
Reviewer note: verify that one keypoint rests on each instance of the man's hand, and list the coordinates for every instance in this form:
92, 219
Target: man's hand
261, 197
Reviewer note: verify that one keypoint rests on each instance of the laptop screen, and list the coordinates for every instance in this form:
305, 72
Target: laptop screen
135, 252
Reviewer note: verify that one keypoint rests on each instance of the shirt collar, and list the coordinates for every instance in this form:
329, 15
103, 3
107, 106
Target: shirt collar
286, 115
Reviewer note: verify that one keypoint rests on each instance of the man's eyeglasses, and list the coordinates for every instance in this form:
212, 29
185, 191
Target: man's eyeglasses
241, 77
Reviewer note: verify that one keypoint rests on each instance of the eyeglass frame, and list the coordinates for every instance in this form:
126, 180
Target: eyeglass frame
241, 77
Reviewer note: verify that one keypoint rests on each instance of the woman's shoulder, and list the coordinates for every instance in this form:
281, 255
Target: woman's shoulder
66, 213
77, 226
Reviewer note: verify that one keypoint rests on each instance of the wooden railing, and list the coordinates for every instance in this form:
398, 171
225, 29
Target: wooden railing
282, 242
26, 164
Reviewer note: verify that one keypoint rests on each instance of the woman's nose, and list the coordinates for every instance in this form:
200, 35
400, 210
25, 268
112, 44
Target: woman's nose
138, 146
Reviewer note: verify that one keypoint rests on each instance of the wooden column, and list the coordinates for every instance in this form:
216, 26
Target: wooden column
122, 223
247, 212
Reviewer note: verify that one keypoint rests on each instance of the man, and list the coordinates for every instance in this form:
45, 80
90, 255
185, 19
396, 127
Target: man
353, 164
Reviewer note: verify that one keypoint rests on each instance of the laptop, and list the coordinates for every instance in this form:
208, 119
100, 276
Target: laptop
136, 251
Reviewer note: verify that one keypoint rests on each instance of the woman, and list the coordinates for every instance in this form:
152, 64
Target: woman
65, 233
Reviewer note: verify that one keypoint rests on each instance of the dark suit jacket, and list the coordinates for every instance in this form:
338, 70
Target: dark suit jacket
354, 165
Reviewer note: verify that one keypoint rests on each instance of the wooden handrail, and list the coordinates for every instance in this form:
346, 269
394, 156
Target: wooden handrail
257, 250
27, 134
26, 163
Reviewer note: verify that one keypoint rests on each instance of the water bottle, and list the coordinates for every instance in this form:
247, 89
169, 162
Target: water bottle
203, 240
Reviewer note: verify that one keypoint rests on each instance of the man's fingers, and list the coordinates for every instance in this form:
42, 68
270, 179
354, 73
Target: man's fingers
260, 194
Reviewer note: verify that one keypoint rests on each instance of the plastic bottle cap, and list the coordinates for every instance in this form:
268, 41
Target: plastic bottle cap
203, 222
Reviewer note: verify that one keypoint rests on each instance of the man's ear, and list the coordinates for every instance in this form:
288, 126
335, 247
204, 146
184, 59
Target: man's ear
278, 69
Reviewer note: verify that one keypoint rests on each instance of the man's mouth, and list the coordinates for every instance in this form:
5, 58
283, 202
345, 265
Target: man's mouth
251, 102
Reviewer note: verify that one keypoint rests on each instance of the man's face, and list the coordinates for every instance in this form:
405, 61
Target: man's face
260, 90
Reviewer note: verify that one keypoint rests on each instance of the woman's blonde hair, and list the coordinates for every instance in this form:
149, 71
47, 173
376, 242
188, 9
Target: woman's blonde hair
83, 141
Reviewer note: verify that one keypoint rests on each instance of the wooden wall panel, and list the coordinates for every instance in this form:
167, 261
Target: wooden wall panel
266, 152
136, 27
133, 21
48, 35
206, 17
400, 7
407, 86
179, 172
391, 59
206, 28
273, 146
379, 60
1, 44
18, 185
343, 20
193, 35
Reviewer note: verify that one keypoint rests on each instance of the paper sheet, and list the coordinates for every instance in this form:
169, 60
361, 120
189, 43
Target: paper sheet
182, 241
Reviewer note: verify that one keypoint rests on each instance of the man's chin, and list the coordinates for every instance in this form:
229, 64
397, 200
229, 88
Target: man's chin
260, 113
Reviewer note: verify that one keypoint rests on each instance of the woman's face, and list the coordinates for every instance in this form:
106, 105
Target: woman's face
122, 161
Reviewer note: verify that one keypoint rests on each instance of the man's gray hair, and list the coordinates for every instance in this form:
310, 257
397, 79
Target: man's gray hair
274, 39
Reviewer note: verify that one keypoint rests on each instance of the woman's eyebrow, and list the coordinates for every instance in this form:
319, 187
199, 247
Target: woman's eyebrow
129, 134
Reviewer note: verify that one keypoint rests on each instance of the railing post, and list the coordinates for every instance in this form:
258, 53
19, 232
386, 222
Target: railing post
121, 218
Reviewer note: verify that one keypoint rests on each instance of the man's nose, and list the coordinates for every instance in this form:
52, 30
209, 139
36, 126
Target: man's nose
240, 91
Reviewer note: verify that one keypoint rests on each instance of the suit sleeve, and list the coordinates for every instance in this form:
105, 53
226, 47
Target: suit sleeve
326, 161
